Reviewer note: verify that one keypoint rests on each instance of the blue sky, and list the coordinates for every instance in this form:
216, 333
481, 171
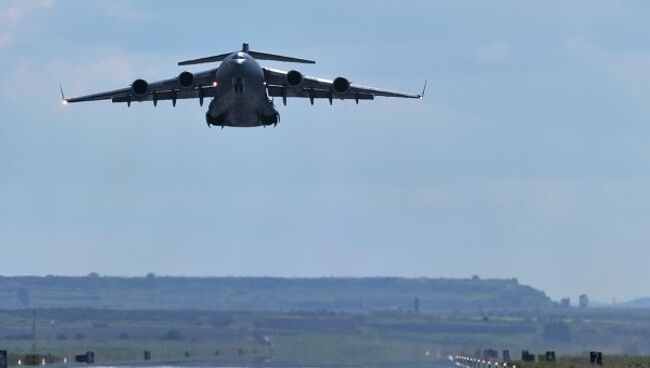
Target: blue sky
529, 157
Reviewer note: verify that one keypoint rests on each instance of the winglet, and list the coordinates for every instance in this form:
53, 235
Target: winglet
424, 89
64, 101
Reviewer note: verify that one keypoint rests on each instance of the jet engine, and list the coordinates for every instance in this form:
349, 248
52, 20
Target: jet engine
341, 85
140, 88
294, 78
185, 80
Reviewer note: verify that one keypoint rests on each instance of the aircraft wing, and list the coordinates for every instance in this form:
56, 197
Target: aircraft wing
197, 85
312, 87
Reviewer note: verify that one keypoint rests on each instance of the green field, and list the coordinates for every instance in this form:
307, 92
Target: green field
582, 361
324, 338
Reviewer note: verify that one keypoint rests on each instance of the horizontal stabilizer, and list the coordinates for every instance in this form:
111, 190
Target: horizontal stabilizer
265, 56
209, 59
255, 54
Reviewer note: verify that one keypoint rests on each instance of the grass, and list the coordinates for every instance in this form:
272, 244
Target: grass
613, 361
323, 338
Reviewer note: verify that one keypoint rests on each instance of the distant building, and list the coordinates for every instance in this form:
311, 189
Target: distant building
550, 356
583, 302
416, 305
88, 358
526, 356
596, 357
565, 302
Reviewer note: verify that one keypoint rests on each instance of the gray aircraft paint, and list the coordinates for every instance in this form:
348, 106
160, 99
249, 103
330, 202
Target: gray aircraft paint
240, 88
241, 98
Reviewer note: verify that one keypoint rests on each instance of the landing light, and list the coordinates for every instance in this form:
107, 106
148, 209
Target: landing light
64, 102
214, 84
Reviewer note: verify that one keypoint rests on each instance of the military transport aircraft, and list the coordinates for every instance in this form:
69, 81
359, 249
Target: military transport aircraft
240, 89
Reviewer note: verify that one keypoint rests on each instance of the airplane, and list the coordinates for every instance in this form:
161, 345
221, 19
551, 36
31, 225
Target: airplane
240, 89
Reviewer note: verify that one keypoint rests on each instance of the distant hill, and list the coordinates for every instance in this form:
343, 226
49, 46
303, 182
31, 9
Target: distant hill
641, 303
262, 293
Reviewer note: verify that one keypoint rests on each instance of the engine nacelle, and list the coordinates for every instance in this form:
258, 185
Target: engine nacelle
140, 88
341, 85
294, 78
185, 80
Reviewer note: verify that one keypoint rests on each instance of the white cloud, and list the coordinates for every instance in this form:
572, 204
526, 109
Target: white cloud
91, 70
122, 10
78, 75
541, 198
492, 52
16, 11
13, 14
631, 67
5, 38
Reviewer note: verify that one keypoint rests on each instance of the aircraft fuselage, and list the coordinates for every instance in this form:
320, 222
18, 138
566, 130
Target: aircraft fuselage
240, 97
